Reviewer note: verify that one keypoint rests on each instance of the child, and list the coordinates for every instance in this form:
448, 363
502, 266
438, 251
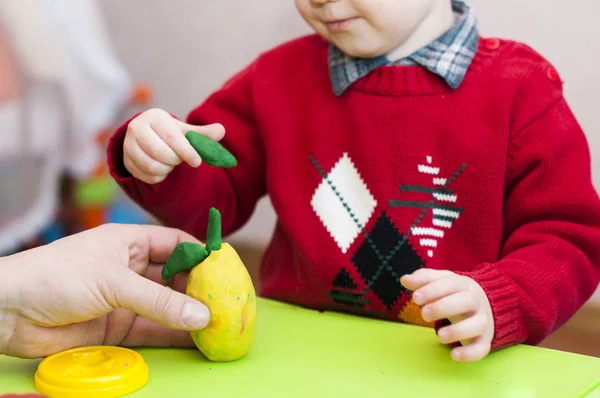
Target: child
406, 157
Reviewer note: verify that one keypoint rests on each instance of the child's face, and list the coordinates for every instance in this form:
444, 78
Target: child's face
365, 28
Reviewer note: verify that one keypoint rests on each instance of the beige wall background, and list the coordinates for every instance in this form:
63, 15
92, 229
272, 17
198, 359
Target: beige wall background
187, 48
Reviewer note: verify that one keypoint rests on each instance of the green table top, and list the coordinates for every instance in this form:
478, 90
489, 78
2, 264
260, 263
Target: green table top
304, 353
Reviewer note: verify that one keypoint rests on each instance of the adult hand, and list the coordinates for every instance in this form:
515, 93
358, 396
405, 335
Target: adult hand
88, 289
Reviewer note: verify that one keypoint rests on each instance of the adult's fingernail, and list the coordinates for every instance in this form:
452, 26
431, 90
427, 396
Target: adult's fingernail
195, 316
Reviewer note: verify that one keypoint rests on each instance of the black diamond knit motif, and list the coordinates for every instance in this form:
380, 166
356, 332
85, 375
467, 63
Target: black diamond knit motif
386, 237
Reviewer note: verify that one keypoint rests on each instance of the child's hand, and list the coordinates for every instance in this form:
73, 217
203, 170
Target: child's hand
155, 143
446, 295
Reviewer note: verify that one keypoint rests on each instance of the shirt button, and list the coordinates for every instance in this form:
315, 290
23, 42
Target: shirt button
492, 44
552, 74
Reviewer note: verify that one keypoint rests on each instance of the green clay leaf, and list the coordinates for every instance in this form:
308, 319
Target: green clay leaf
213, 236
185, 256
211, 152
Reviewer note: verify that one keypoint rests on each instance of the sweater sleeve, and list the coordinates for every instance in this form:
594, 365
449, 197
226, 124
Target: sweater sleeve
550, 260
183, 198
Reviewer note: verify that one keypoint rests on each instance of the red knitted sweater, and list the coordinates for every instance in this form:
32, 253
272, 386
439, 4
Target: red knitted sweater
491, 180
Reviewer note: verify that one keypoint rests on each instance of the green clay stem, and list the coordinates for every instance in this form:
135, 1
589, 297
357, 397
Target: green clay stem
213, 236
211, 152
185, 256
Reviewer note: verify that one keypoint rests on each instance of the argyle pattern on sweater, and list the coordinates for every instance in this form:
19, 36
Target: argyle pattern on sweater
344, 204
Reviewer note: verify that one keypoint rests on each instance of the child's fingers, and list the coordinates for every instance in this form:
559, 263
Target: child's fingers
145, 163
156, 148
139, 174
422, 277
456, 304
475, 351
215, 131
170, 132
470, 328
437, 289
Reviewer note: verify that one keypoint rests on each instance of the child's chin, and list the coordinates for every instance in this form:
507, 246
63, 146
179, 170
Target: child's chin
360, 50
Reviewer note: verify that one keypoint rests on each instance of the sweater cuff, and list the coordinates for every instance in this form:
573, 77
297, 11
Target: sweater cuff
508, 324
114, 150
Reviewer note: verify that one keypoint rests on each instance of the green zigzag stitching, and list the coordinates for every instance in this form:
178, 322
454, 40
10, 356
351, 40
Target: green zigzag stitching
352, 215
414, 225
366, 235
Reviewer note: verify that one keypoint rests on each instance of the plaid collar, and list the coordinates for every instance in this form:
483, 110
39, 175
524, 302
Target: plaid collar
449, 56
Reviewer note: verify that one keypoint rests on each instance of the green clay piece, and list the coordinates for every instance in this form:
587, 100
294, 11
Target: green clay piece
211, 151
213, 236
185, 256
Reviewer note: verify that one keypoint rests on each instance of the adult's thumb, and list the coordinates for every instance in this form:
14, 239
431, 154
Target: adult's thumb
215, 131
161, 304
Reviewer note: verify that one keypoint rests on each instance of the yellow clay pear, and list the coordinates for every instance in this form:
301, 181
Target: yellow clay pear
219, 279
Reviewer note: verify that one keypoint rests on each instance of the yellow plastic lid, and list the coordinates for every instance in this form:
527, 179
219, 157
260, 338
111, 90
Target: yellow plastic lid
94, 372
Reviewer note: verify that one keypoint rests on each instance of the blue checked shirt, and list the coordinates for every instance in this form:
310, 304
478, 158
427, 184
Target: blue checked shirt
449, 56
